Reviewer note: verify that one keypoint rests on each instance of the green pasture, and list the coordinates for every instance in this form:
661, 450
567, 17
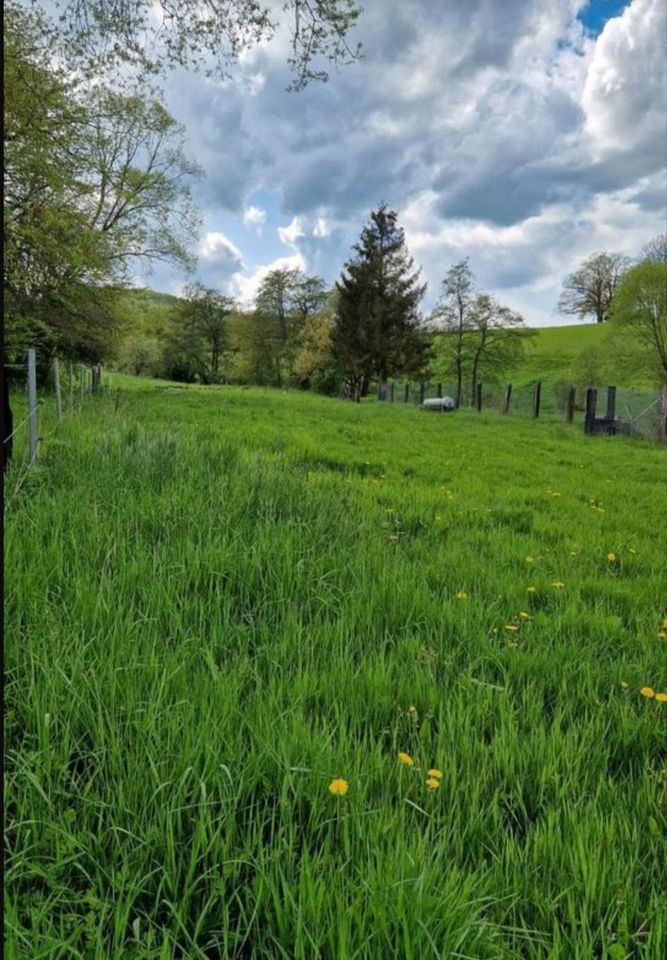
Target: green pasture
219, 600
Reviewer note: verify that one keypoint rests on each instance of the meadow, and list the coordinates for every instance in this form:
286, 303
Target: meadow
289, 678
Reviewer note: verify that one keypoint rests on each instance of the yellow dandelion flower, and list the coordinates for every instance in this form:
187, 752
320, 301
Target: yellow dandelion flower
412, 710
435, 773
512, 627
524, 615
338, 787
432, 783
647, 692
557, 584
530, 559
623, 685
661, 697
393, 538
406, 759
532, 589
612, 558
663, 625
661, 635
461, 595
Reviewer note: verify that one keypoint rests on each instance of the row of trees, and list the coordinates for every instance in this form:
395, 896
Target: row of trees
370, 327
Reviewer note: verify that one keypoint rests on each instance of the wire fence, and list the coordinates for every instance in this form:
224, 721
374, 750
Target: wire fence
36, 399
636, 412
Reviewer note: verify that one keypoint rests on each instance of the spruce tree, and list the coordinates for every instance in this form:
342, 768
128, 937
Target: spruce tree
378, 324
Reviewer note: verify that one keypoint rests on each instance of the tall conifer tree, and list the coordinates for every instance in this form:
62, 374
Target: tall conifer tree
378, 324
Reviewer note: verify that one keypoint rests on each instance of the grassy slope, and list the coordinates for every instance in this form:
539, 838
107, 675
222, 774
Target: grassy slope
219, 599
549, 357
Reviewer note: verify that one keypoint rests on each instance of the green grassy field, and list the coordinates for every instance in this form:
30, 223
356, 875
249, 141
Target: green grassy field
220, 600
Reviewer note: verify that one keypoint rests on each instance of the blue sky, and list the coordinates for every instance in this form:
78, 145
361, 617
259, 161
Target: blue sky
524, 135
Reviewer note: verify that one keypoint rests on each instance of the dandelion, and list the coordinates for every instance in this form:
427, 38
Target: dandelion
623, 685
532, 589
524, 615
647, 692
661, 697
557, 584
612, 558
663, 625
406, 759
393, 538
512, 627
435, 773
511, 644
432, 783
530, 559
461, 595
412, 710
661, 635
632, 550
338, 787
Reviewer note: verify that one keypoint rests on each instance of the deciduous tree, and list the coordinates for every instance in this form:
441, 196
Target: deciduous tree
590, 289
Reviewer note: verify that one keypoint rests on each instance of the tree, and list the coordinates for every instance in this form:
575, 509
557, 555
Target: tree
378, 329
314, 365
95, 182
454, 315
497, 339
285, 299
153, 36
640, 309
590, 289
656, 249
200, 337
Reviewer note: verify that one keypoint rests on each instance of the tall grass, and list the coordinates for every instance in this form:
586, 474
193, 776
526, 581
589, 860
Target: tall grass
218, 600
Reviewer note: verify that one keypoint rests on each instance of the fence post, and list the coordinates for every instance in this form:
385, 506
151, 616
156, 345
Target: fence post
478, 397
56, 385
81, 382
70, 373
507, 399
7, 421
611, 403
421, 392
537, 391
591, 402
407, 392
663, 415
571, 395
391, 392
32, 406
439, 393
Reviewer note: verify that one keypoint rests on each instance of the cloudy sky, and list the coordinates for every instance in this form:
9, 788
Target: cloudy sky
524, 134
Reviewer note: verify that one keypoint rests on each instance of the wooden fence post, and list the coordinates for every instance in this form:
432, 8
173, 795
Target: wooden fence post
478, 397
611, 403
82, 385
421, 392
56, 385
70, 372
569, 410
537, 391
32, 405
439, 393
407, 392
591, 402
391, 392
507, 399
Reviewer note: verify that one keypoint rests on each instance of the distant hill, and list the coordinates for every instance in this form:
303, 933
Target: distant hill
580, 353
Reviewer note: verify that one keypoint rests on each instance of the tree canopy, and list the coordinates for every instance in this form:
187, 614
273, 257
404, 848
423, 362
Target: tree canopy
590, 289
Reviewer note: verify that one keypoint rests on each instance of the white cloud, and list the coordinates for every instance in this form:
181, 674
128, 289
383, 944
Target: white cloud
254, 215
215, 246
321, 228
625, 92
290, 234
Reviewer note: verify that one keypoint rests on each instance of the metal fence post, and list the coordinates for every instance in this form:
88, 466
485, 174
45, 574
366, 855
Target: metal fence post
32, 405
70, 377
56, 385
478, 397
82, 381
